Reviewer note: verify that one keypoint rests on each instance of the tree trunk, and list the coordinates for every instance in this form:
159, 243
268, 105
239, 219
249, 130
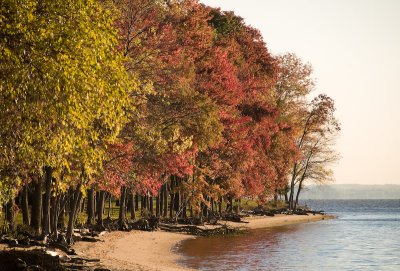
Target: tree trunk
165, 194
48, 175
133, 205
78, 207
161, 194
158, 205
36, 215
292, 183
61, 215
151, 204
122, 206
184, 203
298, 193
72, 215
55, 207
136, 202
24, 205
90, 206
109, 213
100, 207
10, 215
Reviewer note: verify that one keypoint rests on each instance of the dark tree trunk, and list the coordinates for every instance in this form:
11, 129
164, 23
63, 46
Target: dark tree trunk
109, 213
151, 204
122, 207
161, 200
71, 218
10, 215
165, 194
229, 205
61, 215
100, 207
143, 205
24, 205
276, 196
204, 210
90, 206
54, 212
298, 194
176, 203
78, 208
132, 205
158, 205
292, 184
184, 215
36, 215
48, 175
171, 205
136, 202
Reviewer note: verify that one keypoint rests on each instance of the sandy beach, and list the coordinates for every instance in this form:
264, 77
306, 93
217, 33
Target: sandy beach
151, 251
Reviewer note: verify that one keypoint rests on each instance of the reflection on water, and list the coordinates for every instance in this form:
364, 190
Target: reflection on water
365, 238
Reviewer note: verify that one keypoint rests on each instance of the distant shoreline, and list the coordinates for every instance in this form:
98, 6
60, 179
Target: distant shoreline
151, 251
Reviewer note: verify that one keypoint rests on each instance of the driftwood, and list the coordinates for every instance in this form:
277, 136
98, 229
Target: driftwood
144, 224
195, 230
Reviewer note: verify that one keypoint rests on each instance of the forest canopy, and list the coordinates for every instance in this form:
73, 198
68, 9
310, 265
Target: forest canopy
167, 100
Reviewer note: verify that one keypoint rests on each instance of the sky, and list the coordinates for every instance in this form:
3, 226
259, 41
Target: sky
354, 48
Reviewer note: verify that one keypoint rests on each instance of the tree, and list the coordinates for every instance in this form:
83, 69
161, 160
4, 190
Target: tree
65, 82
318, 126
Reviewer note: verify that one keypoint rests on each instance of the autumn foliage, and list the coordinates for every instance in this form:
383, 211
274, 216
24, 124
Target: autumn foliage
172, 100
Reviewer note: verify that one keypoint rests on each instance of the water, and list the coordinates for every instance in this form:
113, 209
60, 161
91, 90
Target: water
365, 236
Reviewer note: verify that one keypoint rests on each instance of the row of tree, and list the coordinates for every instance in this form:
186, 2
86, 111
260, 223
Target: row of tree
167, 99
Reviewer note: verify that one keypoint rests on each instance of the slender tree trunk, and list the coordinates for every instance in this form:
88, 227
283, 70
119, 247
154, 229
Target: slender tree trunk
36, 215
133, 205
90, 206
48, 174
10, 214
122, 206
24, 205
177, 196
54, 212
100, 207
136, 202
184, 203
61, 214
292, 183
78, 208
161, 200
158, 205
298, 193
151, 204
110, 211
276, 196
72, 215
165, 194
220, 205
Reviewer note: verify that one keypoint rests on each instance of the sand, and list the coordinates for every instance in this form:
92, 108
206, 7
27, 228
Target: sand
151, 251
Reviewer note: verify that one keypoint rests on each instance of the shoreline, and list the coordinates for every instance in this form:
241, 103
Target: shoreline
153, 251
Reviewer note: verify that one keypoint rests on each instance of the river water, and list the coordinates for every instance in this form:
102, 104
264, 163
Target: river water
365, 236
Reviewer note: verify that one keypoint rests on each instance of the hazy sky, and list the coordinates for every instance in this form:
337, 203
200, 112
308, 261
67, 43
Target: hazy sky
354, 48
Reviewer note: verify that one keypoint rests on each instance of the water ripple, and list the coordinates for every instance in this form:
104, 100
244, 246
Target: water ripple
364, 237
